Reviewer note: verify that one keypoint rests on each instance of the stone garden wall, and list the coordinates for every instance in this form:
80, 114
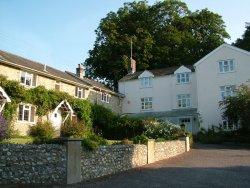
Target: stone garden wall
165, 150
111, 159
70, 163
32, 163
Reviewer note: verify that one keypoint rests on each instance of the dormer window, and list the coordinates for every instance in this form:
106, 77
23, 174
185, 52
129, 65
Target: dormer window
183, 78
226, 66
27, 79
146, 82
105, 97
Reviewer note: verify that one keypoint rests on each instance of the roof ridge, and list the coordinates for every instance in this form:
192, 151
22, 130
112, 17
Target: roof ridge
27, 59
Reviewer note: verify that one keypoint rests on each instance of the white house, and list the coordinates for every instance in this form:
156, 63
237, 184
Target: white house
187, 95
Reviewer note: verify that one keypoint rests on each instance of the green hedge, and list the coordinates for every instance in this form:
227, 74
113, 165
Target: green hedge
218, 136
113, 126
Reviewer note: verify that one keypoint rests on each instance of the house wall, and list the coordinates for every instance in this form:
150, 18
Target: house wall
164, 91
209, 82
114, 104
9, 72
94, 96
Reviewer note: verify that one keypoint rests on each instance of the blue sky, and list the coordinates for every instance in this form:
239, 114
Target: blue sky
61, 32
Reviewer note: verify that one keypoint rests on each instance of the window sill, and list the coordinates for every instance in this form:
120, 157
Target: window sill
146, 110
104, 101
227, 72
178, 108
146, 87
184, 83
27, 86
26, 122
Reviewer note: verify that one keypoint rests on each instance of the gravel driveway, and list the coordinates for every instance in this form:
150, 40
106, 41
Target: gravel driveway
204, 166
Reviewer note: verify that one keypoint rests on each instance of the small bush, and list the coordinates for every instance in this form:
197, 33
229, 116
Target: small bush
210, 136
42, 132
165, 130
3, 128
115, 127
74, 129
93, 142
160, 140
140, 139
191, 139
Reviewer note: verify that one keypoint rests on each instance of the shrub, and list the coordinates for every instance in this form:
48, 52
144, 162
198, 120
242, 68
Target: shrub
93, 142
113, 126
126, 142
210, 136
42, 132
74, 129
3, 128
237, 108
191, 139
165, 130
160, 140
140, 139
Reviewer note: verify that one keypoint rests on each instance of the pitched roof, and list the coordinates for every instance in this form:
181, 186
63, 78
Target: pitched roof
89, 81
220, 47
21, 62
155, 72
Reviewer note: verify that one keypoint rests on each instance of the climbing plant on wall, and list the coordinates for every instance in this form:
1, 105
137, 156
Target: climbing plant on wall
44, 100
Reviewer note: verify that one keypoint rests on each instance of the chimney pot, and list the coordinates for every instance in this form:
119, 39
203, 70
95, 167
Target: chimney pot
80, 71
45, 67
133, 66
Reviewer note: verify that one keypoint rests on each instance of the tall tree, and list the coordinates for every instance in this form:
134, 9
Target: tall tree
164, 34
244, 43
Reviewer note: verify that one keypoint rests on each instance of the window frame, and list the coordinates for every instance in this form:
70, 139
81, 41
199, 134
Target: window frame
184, 99
105, 97
26, 107
224, 93
57, 83
79, 89
146, 103
146, 82
26, 74
230, 66
183, 78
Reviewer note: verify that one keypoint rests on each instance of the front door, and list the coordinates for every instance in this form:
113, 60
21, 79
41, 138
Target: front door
188, 124
56, 119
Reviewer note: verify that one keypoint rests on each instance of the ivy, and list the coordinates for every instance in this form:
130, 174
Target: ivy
44, 100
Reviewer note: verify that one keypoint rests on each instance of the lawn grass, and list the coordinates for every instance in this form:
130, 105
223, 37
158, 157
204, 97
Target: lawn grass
19, 140
111, 142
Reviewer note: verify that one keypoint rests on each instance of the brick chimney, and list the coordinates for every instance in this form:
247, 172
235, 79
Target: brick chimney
133, 65
80, 71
